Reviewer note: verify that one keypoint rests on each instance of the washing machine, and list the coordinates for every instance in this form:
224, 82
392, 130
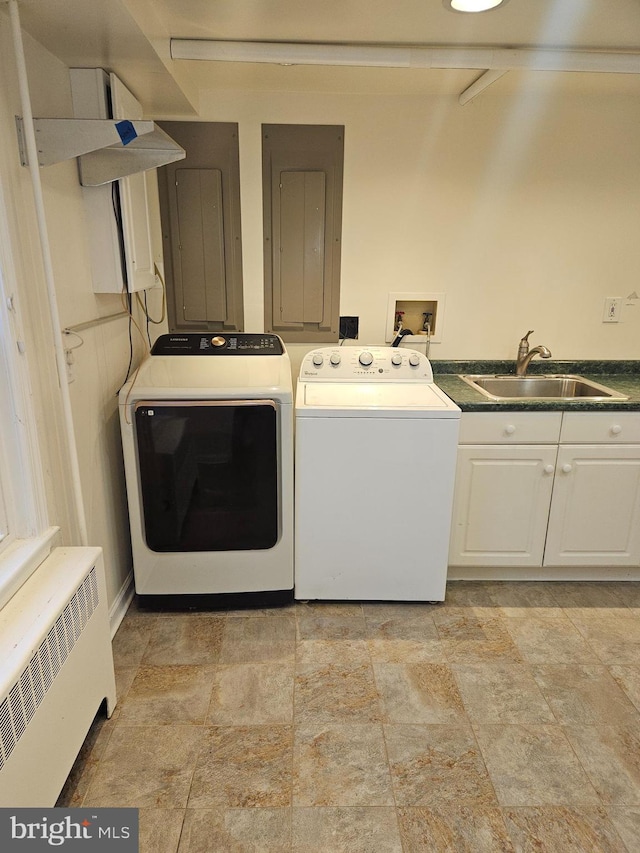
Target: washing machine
207, 434
376, 444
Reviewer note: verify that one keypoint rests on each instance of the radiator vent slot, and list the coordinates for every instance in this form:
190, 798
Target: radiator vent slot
29, 690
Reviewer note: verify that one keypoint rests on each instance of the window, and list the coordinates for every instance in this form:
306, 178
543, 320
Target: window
24, 533
302, 200
4, 522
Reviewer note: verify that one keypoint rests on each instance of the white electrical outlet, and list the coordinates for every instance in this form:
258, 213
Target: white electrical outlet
612, 309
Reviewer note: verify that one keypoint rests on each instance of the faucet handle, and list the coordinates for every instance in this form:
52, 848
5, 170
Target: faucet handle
523, 346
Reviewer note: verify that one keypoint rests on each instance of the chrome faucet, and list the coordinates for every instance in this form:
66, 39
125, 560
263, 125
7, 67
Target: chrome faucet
525, 354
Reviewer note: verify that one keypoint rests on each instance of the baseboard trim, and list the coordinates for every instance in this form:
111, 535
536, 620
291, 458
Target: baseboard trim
121, 604
543, 573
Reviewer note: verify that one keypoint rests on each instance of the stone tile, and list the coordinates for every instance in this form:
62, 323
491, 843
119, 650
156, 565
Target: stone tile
611, 757
146, 767
584, 694
251, 640
286, 610
406, 651
614, 635
185, 639
472, 639
340, 765
412, 611
343, 693
131, 639
330, 608
252, 694
243, 766
321, 652
450, 828
160, 830
255, 830
473, 596
627, 822
124, 679
629, 593
437, 765
164, 695
329, 623
87, 762
526, 600
580, 641
628, 678
593, 594
400, 622
534, 766
418, 693
345, 830
541, 640
501, 693
557, 829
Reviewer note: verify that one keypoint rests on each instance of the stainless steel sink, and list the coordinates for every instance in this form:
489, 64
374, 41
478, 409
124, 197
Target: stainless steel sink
542, 387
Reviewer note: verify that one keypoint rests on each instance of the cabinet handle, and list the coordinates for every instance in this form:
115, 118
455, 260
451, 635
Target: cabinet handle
510, 429
549, 469
567, 468
616, 429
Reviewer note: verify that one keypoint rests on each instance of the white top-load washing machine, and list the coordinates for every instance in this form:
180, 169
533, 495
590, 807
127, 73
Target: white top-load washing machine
376, 444
207, 433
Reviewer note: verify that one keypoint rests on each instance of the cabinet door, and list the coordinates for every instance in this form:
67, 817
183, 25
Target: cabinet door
595, 511
501, 505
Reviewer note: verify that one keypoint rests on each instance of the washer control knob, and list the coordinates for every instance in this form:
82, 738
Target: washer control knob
396, 358
335, 358
218, 341
317, 360
414, 359
365, 358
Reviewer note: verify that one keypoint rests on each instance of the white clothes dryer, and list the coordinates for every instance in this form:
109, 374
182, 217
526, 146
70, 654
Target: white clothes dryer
207, 434
376, 444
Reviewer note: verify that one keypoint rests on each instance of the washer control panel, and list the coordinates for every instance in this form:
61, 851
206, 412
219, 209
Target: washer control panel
365, 364
213, 343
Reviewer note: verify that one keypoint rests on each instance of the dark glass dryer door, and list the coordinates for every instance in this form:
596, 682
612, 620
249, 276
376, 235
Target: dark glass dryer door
208, 474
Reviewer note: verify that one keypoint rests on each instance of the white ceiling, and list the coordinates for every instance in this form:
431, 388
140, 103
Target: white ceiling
131, 37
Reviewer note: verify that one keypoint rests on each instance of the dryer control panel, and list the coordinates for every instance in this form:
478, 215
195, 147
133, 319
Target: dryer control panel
212, 343
365, 364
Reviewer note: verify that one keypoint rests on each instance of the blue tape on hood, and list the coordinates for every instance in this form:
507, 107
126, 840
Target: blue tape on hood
126, 131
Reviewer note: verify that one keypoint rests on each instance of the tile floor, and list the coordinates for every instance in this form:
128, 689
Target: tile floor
505, 719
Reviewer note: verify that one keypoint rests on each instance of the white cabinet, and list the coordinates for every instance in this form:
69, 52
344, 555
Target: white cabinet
595, 508
504, 479
123, 218
138, 197
547, 489
501, 505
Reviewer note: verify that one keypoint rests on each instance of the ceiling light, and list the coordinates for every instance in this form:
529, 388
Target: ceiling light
472, 5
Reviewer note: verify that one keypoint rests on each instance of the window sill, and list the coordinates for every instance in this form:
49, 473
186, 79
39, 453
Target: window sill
20, 558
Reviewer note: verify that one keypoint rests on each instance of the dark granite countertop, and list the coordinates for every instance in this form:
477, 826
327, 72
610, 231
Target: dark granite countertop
622, 376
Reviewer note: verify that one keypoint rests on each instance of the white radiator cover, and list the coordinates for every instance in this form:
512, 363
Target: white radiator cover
56, 669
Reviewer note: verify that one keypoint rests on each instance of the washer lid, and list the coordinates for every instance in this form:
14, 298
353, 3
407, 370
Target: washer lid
369, 399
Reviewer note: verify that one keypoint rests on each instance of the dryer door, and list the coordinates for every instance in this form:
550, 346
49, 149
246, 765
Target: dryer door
208, 473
